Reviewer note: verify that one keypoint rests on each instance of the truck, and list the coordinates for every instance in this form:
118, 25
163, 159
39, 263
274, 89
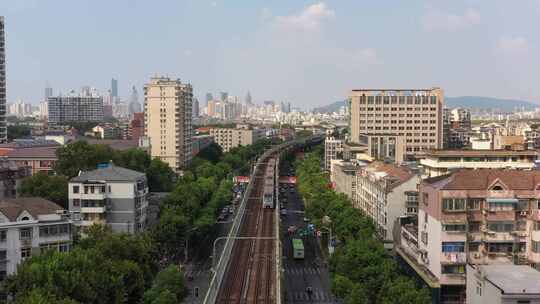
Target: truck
298, 249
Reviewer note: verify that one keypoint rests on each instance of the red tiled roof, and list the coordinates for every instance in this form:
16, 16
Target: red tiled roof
481, 179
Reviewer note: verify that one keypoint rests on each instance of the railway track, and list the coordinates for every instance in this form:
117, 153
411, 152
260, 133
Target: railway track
250, 275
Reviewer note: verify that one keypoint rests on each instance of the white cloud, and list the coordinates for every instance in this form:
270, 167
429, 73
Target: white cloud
516, 44
436, 20
309, 19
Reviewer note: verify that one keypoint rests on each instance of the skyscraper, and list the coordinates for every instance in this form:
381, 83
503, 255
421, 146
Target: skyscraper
114, 87
195, 107
48, 92
224, 96
209, 97
168, 117
248, 98
134, 105
3, 128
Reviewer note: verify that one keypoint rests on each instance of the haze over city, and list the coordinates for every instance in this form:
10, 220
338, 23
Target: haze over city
304, 52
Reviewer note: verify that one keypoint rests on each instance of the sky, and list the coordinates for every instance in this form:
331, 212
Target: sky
309, 53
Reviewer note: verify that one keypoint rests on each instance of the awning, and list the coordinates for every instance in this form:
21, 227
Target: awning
502, 200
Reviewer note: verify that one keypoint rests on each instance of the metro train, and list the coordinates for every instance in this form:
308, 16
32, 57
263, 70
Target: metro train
269, 184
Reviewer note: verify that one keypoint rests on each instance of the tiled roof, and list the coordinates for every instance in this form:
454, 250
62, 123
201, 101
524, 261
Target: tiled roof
34, 152
116, 144
481, 179
12, 208
401, 174
110, 173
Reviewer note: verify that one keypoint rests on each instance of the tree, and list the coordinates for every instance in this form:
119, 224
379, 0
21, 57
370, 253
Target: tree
18, 131
211, 153
403, 290
39, 296
160, 176
168, 285
53, 188
81, 156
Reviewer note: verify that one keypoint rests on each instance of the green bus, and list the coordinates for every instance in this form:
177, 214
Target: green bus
298, 248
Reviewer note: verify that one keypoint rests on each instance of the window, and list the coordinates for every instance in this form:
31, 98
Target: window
85, 189
473, 247
75, 189
3, 235
25, 233
26, 252
453, 247
76, 202
453, 269
501, 206
424, 237
500, 247
474, 203
474, 226
454, 227
501, 226
535, 246
456, 204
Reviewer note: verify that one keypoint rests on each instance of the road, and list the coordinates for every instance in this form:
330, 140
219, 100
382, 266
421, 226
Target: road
312, 271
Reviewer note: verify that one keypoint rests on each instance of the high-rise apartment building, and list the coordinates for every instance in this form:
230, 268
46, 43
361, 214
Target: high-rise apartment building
168, 117
415, 114
195, 107
229, 138
65, 109
3, 127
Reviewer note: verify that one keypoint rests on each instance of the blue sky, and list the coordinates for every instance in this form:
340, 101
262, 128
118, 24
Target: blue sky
306, 52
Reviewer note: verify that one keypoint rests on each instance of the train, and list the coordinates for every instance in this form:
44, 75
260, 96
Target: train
269, 184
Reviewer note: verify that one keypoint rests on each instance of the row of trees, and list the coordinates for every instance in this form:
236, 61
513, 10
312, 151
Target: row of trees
362, 270
188, 215
102, 268
81, 156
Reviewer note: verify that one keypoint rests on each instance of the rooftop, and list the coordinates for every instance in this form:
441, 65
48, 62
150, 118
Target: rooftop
400, 174
457, 153
116, 144
110, 173
482, 179
34, 152
36, 206
513, 279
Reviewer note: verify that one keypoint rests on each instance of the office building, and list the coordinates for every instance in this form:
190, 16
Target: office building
48, 92
224, 96
384, 147
168, 120
134, 104
31, 225
3, 96
415, 114
440, 162
479, 217
249, 99
110, 195
114, 88
333, 149
228, 138
66, 109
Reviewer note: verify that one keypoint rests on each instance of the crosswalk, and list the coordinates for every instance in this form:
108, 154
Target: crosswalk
316, 296
302, 271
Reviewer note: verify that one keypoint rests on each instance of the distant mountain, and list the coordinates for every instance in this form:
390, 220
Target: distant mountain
333, 107
485, 103
469, 102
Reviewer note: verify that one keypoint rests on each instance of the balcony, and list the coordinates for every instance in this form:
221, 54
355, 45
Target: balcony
101, 209
453, 279
453, 257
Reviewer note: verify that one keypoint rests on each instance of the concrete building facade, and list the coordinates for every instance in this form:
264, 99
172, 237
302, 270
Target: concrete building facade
228, 138
112, 196
333, 149
66, 109
168, 120
415, 114
3, 96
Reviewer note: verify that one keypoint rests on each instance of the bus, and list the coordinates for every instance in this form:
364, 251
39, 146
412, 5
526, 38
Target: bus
298, 248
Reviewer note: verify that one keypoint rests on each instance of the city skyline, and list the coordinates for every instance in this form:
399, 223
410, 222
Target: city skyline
276, 51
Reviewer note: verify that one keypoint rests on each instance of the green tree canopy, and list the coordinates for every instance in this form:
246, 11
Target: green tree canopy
53, 188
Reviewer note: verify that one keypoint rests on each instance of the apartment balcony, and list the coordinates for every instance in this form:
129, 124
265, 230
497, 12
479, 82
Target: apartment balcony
91, 196
475, 237
101, 209
453, 279
453, 258
453, 236
493, 236
87, 223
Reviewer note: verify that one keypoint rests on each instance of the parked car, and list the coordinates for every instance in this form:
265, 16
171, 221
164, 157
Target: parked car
283, 211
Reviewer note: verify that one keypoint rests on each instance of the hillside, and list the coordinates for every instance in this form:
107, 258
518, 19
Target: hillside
469, 102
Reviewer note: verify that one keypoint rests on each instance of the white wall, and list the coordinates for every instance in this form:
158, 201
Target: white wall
433, 246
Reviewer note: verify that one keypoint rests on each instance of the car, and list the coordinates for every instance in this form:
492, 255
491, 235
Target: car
306, 219
221, 217
283, 212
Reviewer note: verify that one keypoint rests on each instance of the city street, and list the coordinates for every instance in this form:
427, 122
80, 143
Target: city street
302, 273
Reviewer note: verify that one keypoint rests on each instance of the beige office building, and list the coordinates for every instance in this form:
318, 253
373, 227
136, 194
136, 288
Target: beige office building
228, 138
415, 114
168, 115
